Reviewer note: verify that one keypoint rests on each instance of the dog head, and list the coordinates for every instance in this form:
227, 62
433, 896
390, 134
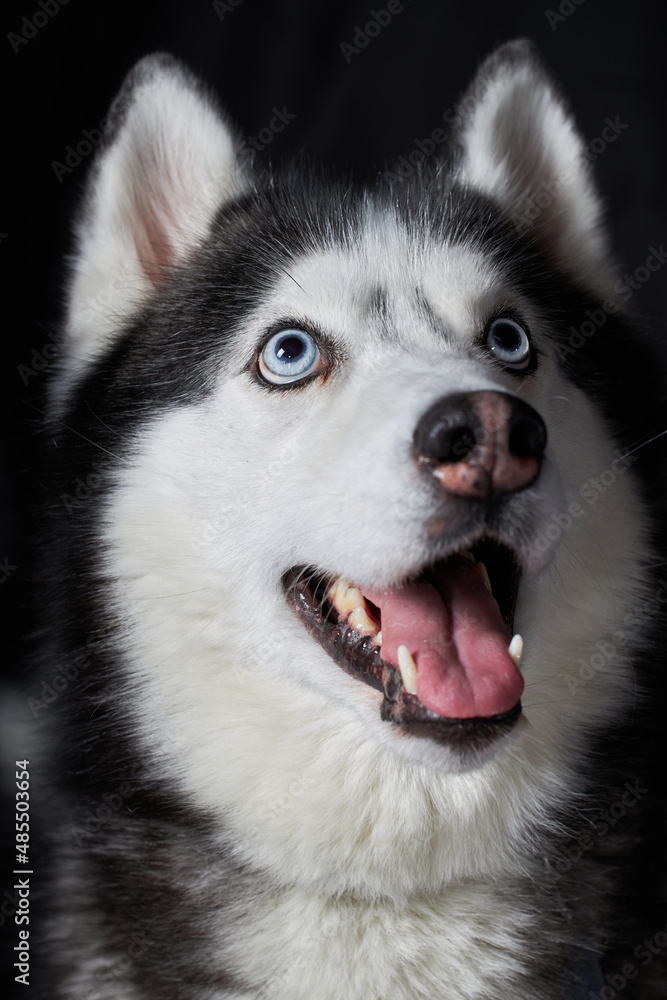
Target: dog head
351, 445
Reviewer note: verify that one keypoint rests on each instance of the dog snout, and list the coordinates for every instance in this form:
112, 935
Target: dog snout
481, 443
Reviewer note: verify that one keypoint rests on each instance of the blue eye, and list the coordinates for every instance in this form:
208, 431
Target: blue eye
509, 343
288, 356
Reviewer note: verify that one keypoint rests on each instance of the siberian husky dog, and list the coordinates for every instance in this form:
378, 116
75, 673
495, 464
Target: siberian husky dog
353, 599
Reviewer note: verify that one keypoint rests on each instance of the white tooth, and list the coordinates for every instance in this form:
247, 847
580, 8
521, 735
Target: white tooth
467, 554
378, 639
408, 669
360, 621
515, 649
484, 573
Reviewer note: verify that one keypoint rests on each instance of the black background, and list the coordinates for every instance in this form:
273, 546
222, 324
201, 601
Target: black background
607, 55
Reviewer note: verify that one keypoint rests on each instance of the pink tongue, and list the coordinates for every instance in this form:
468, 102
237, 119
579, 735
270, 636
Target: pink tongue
458, 641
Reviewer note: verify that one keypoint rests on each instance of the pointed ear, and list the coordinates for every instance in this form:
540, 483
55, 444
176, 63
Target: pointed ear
170, 162
520, 146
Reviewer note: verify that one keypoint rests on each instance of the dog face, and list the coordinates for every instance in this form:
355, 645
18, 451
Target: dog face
335, 405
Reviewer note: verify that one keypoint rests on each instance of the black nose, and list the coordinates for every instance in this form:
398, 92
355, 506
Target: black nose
478, 443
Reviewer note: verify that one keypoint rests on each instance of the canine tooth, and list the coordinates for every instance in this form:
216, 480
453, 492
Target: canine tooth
378, 639
467, 554
484, 573
360, 621
408, 669
515, 649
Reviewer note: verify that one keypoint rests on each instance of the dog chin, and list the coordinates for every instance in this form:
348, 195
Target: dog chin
460, 757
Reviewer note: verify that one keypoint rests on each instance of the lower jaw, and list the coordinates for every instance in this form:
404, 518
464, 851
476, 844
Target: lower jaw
360, 656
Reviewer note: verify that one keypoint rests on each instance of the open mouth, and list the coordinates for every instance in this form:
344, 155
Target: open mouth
438, 647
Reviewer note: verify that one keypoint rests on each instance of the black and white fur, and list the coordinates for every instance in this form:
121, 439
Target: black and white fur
234, 818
